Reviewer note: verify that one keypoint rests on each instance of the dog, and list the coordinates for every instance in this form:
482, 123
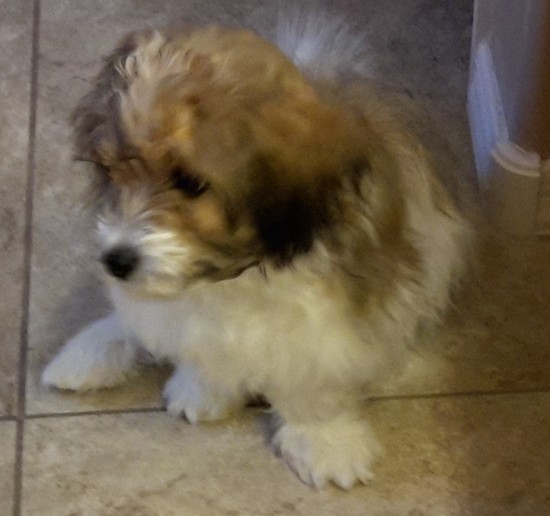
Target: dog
268, 230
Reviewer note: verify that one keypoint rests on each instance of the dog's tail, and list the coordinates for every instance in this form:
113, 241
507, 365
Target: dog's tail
321, 43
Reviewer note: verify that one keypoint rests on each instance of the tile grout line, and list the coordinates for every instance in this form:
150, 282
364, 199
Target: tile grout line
457, 394
107, 412
27, 262
374, 399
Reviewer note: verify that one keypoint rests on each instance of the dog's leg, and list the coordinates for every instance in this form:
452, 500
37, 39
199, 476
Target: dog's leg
186, 394
325, 441
101, 355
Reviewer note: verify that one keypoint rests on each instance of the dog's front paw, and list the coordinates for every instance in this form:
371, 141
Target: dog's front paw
340, 451
99, 356
184, 395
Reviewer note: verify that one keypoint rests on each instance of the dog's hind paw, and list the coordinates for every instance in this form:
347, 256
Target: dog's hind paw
341, 451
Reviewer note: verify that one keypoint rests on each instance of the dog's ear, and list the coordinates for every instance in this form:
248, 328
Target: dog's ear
289, 212
96, 119
286, 221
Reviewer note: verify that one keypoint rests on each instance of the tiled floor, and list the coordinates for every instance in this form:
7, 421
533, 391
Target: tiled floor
470, 436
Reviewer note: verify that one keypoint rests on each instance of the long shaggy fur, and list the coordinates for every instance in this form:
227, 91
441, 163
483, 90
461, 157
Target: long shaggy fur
270, 231
321, 43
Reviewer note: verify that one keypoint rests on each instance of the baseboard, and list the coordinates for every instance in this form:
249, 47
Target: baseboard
543, 210
513, 188
509, 177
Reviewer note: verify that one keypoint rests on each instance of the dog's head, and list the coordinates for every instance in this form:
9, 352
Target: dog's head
217, 155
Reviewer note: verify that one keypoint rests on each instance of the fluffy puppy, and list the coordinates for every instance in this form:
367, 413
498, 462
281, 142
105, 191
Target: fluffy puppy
264, 232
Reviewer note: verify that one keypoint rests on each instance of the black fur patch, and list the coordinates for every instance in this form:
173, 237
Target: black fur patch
287, 216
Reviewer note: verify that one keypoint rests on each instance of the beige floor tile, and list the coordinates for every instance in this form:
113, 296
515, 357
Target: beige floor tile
66, 292
467, 456
7, 455
495, 339
145, 392
15, 61
498, 338
491, 342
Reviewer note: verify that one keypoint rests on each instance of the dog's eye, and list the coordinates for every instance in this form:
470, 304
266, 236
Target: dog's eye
192, 186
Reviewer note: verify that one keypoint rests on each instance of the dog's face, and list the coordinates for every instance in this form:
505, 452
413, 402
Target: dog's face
216, 154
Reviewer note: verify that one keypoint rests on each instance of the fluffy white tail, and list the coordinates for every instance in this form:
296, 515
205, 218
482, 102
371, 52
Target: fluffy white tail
320, 42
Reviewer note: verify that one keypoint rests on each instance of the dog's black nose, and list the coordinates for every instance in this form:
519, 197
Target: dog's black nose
120, 261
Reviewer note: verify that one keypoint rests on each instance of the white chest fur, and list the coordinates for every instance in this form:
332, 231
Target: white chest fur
253, 327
